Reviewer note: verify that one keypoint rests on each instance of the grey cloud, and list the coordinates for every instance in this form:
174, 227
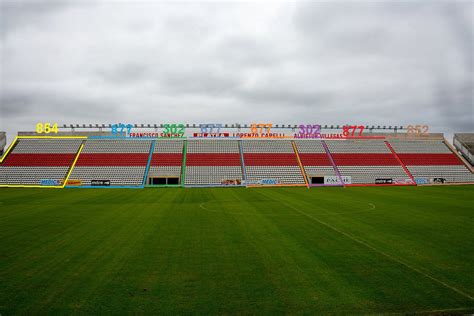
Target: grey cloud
32, 103
421, 38
124, 73
239, 51
17, 14
323, 62
199, 81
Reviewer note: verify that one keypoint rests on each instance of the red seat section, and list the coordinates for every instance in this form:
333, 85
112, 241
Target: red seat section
39, 160
166, 159
315, 159
213, 159
270, 159
365, 159
112, 159
429, 159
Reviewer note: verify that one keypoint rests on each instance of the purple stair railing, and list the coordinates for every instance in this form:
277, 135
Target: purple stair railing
332, 162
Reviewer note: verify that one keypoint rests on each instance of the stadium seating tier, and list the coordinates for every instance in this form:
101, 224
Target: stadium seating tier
213, 162
219, 162
271, 159
32, 161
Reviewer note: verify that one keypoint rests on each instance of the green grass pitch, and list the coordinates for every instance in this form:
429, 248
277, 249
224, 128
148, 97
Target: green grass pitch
237, 251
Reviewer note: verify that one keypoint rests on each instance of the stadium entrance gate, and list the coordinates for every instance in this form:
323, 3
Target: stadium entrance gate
163, 181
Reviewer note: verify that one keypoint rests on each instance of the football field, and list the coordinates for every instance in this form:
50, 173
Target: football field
237, 251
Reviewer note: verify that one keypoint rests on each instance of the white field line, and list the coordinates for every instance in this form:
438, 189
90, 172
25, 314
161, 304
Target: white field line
383, 253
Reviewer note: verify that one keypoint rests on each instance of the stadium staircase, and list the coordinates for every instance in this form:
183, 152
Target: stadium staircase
242, 161
273, 160
295, 149
213, 163
428, 160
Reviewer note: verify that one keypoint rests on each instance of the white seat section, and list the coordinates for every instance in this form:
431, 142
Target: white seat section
106, 146
164, 171
357, 146
166, 146
267, 146
212, 175
282, 165
31, 175
284, 174
48, 146
213, 146
314, 146
321, 171
309, 146
452, 174
216, 169
420, 146
213, 161
118, 175
368, 174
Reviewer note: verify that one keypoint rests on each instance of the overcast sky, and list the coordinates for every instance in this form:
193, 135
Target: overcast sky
334, 62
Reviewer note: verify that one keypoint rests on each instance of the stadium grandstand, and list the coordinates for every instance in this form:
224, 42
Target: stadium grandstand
95, 158
166, 163
464, 143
